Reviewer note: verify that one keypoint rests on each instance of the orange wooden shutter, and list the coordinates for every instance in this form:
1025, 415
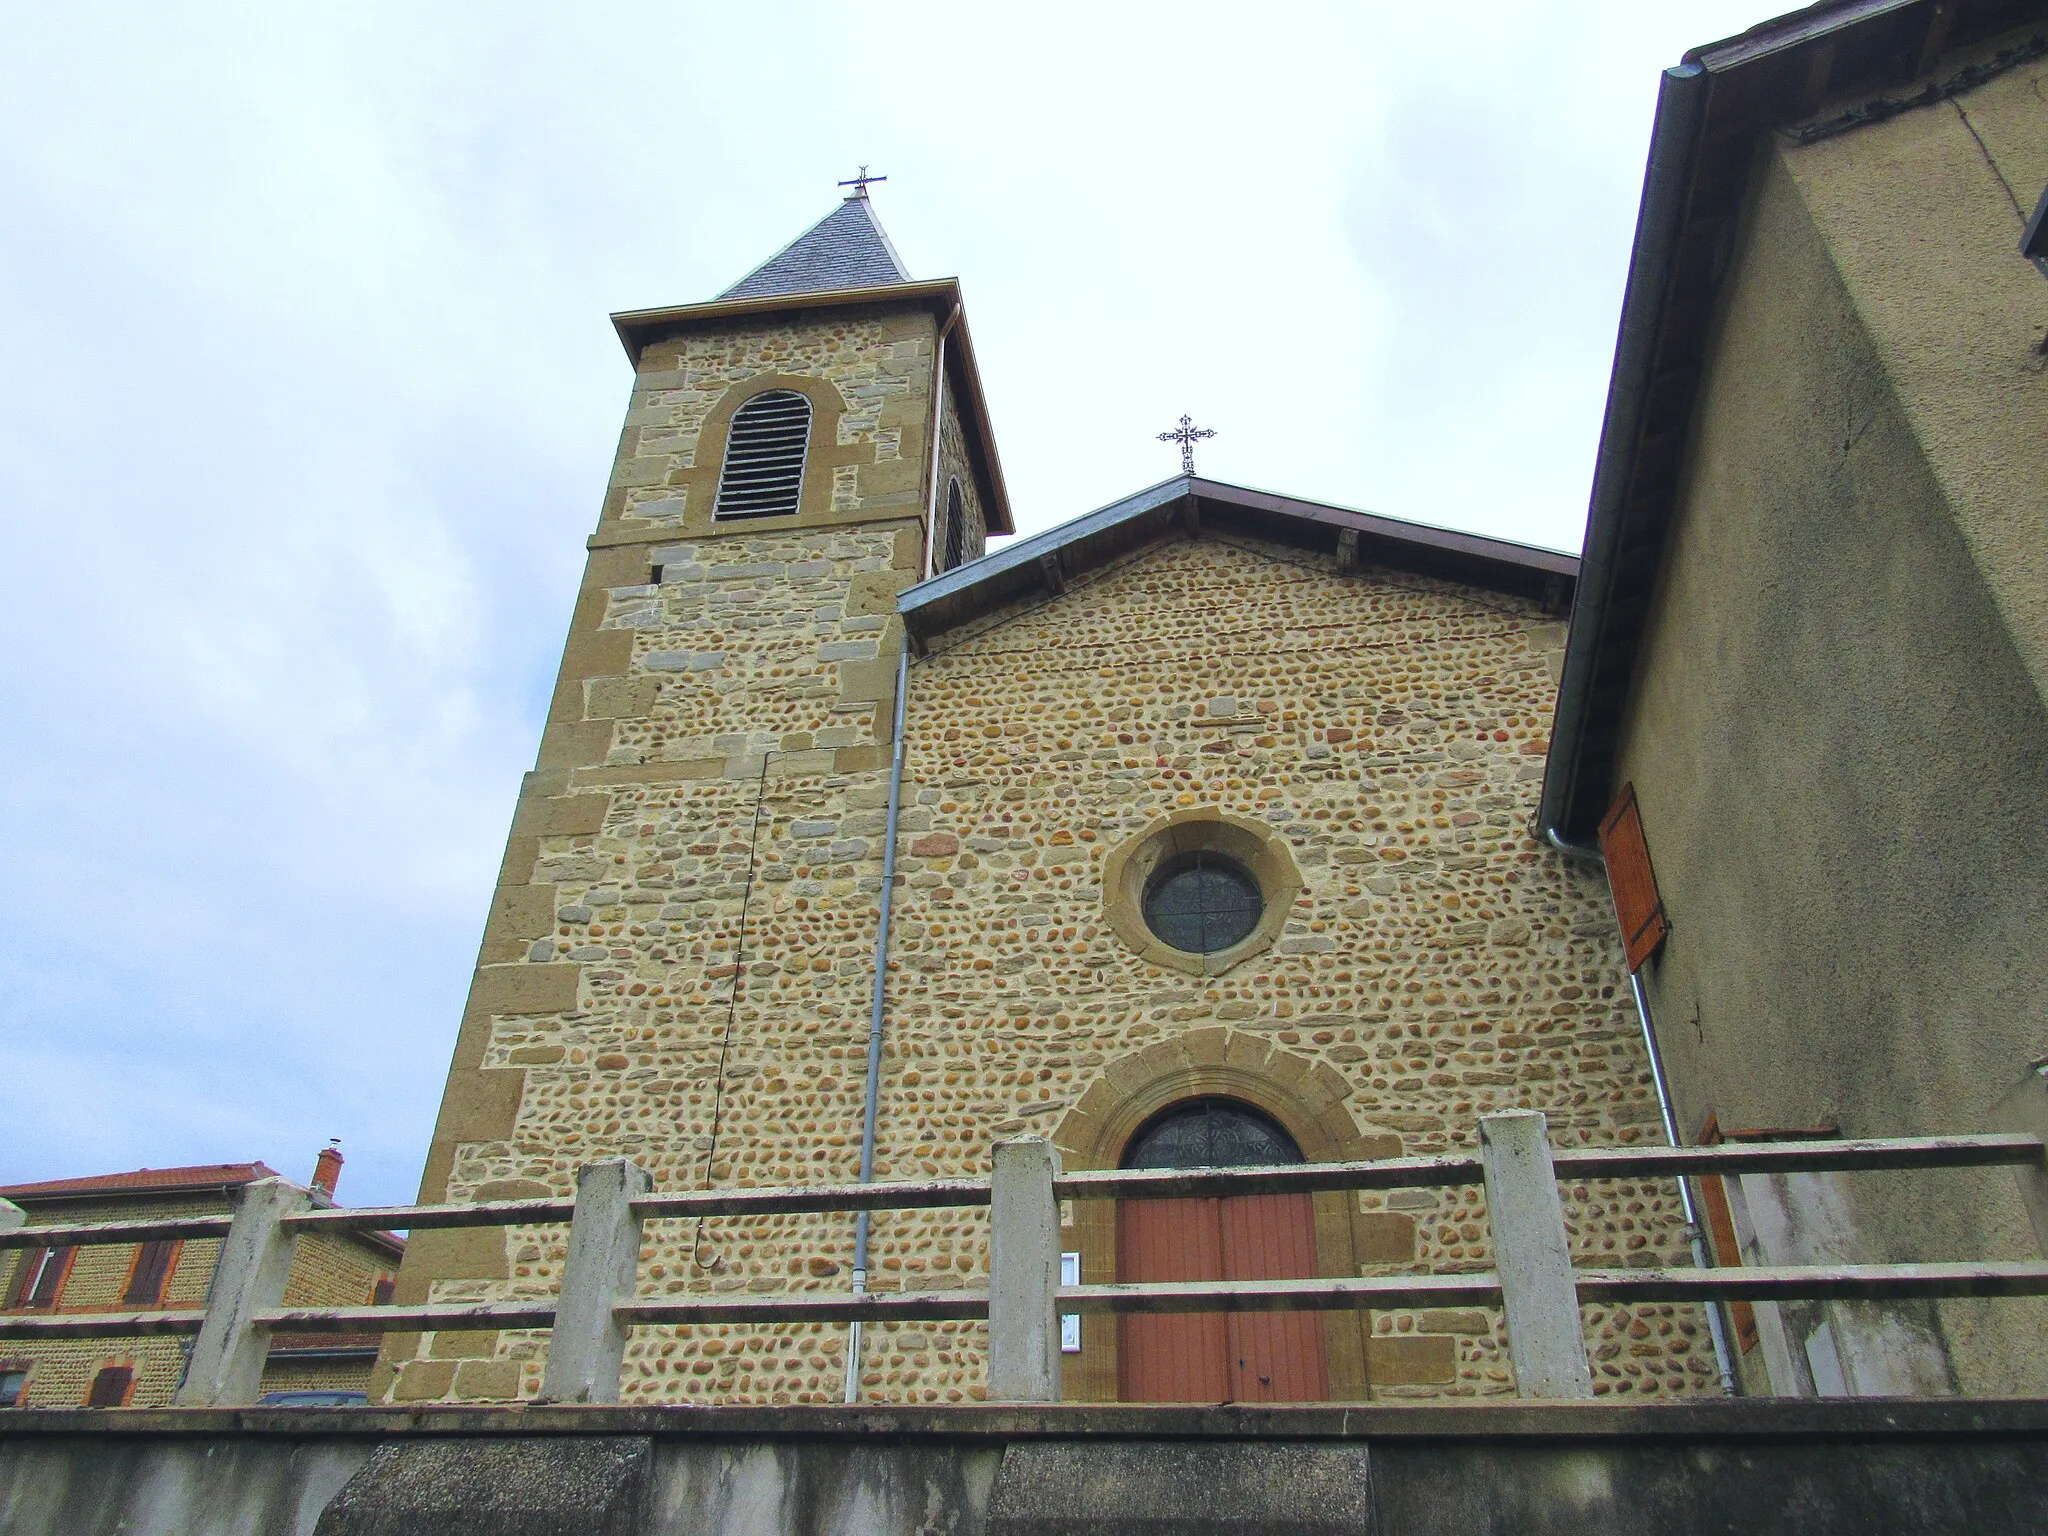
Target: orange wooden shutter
1634, 883
1721, 1229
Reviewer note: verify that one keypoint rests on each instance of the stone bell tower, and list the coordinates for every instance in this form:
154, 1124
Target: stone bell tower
677, 961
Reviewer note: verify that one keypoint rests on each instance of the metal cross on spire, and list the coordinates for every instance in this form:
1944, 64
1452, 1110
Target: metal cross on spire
1187, 434
860, 183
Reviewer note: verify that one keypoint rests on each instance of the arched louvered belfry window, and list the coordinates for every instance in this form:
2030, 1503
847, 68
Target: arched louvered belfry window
764, 456
956, 526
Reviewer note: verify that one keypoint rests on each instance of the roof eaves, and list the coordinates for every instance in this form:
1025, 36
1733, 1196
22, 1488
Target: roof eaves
1021, 554
957, 596
1773, 74
633, 325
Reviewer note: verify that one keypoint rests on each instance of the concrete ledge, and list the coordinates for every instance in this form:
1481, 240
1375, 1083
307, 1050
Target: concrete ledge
1705, 1419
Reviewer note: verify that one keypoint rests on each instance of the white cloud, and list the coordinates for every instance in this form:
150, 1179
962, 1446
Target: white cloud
311, 398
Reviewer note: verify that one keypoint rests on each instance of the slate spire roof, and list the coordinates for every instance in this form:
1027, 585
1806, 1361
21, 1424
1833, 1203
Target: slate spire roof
845, 249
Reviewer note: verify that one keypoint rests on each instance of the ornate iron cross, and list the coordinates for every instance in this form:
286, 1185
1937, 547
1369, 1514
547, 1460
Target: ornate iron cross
860, 182
1187, 434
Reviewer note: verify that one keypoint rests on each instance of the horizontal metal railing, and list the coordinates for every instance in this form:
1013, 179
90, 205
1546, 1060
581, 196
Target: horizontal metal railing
1533, 1280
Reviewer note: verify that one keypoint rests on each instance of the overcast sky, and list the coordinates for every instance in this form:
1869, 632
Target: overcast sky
309, 397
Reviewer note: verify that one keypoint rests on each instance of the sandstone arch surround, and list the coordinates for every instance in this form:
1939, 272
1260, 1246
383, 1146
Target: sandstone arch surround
1306, 1097
1259, 848
825, 457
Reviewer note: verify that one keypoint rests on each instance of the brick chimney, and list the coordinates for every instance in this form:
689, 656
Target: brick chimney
327, 1169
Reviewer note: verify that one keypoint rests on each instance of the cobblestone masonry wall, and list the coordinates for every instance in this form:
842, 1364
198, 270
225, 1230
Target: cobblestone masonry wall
694, 992
327, 1272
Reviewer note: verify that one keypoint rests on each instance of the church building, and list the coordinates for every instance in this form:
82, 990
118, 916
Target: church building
1213, 842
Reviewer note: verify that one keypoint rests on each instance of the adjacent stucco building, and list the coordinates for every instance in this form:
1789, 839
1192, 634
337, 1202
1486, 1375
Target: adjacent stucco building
1812, 635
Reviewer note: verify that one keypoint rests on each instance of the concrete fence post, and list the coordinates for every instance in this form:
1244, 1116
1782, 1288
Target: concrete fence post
1024, 1274
588, 1346
225, 1369
1533, 1258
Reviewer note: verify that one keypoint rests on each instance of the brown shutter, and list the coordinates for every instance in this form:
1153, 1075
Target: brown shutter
110, 1388
50, 1276
26, 1269
1721, 1230
146, 1280
1634, 883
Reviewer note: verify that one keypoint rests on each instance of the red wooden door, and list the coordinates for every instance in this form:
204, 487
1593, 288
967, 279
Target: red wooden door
1212, 1357
1180, 1357
1276, 1357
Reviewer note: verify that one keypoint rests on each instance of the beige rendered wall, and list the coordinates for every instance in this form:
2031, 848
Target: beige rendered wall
1837, 733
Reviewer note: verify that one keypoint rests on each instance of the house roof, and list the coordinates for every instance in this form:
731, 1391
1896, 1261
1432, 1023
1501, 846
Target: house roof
152, 1180
848, 248
172, 1181
1711, 107
1188, 506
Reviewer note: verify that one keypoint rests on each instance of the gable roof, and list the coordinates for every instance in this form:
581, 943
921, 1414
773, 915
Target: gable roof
846, 249
1710, 109
1187, 505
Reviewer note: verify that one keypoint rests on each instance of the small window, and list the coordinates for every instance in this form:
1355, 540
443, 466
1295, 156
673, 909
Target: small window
956, 526
13, 1382
380, 1293
40, 1277
764, 456
110, 1388
152, 1272
1202, 902
1211, 1133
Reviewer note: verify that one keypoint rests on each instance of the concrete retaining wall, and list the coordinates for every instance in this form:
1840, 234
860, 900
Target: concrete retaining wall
1586, 1469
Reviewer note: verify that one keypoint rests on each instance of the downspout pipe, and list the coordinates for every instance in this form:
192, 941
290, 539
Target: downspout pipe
1667, 183
874, 1083
1717, 1324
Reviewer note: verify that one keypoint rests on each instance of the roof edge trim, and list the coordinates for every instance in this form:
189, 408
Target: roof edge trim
632, 324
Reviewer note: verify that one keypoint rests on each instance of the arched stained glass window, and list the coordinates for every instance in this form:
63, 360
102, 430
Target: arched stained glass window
1211, 1133
764, 456
1202, 902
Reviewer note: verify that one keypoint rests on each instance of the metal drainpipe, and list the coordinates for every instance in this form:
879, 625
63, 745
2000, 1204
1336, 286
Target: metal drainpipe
874, 1088
1716, 1326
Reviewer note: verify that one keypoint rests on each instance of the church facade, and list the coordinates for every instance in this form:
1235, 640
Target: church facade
1213, 842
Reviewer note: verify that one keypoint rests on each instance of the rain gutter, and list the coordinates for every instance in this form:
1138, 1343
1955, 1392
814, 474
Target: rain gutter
1674, 149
